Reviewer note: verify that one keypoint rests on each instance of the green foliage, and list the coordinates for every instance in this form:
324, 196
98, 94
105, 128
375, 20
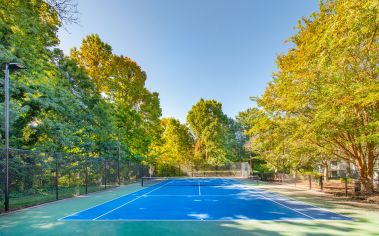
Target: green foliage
122, 83
346, 180
176, 145
218, 139
313, 174
323, 102
83, 104
57, 103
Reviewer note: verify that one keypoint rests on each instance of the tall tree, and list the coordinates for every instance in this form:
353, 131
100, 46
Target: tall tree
328, 84
95, 58
176, 148
209, 125
122, 83
39, 95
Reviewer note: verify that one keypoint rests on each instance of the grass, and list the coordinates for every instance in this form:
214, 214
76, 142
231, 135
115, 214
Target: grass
42, 220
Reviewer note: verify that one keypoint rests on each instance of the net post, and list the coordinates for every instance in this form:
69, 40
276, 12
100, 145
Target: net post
142, 178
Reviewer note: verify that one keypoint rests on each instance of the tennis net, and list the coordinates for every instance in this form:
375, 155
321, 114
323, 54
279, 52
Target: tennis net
188, 181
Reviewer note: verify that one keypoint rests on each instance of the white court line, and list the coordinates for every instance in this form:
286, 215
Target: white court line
213, 220
319, 208
104, 202
260, 193
202, 220
131, 201
202, 195
284, 205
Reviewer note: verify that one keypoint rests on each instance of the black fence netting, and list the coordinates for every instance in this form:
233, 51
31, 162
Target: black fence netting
233, 169
38, 177
311, 181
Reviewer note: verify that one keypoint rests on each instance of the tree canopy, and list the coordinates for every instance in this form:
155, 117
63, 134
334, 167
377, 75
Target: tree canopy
324, 98
83, 103
73, 104
218, 139
323, 102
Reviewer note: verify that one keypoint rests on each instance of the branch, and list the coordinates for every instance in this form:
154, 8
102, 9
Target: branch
67, 10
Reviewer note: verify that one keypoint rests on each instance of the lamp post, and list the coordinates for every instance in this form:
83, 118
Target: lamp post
8, 67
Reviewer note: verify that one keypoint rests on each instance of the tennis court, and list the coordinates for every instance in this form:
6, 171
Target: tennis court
201, 199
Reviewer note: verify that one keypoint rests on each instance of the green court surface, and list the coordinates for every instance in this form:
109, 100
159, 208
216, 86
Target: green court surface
43, 219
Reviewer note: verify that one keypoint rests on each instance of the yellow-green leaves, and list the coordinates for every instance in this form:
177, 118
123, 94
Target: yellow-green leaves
324, 96
216, 136
122, 83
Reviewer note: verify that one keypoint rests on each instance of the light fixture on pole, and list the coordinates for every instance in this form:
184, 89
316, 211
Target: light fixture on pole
8, 67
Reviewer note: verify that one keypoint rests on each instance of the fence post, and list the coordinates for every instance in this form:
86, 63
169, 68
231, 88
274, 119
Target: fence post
310, 182
6, 184
118, 172
139, 171
56, 175
128, 173
105, 173
345, 187
321, 183
86, 173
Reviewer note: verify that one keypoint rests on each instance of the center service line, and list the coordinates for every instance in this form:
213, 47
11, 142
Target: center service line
131, 201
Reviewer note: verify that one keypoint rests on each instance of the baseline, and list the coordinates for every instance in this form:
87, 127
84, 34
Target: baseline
131, 201
103, 203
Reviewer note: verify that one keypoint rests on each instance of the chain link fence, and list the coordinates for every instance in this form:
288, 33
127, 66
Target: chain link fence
233, 169
308, 181
39, 177
342, 186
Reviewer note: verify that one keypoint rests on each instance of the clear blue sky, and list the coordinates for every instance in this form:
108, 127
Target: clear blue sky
192, 49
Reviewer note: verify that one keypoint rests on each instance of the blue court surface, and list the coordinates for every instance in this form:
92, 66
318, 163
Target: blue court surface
202, 200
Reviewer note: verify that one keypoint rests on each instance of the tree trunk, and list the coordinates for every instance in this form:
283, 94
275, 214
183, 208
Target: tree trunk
206, 153
367, 185
370, 166
364, 160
